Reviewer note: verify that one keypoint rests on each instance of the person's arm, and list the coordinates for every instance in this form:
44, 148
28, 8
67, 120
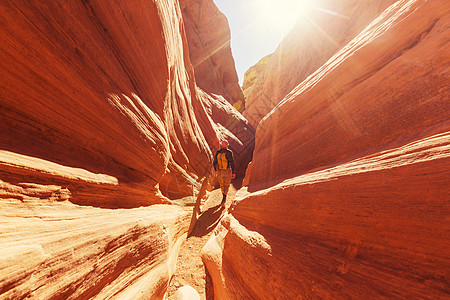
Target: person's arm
215, 162
231, 161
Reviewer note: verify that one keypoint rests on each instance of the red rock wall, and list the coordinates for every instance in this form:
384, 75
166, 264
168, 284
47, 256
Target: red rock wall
316, 37
105, 87
347, 194
353, 106
58, 250
208, 37
98, 107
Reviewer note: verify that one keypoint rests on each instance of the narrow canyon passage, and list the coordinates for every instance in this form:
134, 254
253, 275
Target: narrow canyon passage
111, 112
190, 268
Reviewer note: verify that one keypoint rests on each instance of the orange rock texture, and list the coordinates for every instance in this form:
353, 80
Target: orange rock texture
317, 36
208, 36
58, 250
100, 112
81, 91
347, 195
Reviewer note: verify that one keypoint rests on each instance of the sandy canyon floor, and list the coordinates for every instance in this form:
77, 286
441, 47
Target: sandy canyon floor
190, 268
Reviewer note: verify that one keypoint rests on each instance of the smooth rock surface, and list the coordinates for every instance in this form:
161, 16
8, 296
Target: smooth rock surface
353, 106
372, 228
81, 91
347, 194
208, 38
108, 88
58, 250
186, 293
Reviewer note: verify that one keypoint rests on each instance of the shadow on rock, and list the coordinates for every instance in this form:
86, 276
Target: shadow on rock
207, 221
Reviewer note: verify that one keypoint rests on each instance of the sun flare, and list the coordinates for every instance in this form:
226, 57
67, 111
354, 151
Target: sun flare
283, 13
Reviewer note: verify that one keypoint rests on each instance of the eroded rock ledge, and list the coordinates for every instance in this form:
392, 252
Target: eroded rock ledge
59, 250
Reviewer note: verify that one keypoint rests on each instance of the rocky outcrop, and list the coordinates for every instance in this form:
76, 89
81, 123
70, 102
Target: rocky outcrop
371, 228
186, 293
57, 250
99, 111
252, 75
347, 190
208, 38
322, 30
352, 107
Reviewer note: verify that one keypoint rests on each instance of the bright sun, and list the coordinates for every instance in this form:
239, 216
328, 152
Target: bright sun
283, 13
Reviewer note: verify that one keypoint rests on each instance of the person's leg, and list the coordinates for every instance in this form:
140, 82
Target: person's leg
220, 179
226, 184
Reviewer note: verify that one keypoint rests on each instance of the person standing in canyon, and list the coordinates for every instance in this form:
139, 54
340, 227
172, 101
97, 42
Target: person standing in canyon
225, 169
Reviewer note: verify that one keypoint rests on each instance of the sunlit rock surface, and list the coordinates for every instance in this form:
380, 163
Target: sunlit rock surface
99, 112
319, 33
253, 74
347, 195
82, 91
208, 38
57, 250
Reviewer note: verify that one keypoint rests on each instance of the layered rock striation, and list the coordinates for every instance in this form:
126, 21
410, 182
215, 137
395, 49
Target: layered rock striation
81, 91
208, 37
58, 250
100, 115
347, 191
320, 32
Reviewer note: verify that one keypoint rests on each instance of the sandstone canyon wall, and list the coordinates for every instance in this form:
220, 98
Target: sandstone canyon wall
347, 195
319, 33
80, 91
208, 40
253, 74
57, 250
233, 127
208, 36
99, 107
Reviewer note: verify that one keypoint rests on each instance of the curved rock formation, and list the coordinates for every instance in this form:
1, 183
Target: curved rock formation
208, 37
317, 36
98, 106
53, 250
80, 94
353, 106
153, 131
347, 191
186, 292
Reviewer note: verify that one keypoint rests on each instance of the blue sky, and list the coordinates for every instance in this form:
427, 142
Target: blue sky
257, 28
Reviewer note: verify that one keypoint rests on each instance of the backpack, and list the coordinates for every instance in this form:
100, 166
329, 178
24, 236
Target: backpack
222, 161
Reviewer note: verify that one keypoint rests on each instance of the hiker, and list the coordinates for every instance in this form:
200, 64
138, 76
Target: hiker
224, 167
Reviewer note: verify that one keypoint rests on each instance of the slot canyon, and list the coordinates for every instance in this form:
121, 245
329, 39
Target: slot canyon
110, 115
